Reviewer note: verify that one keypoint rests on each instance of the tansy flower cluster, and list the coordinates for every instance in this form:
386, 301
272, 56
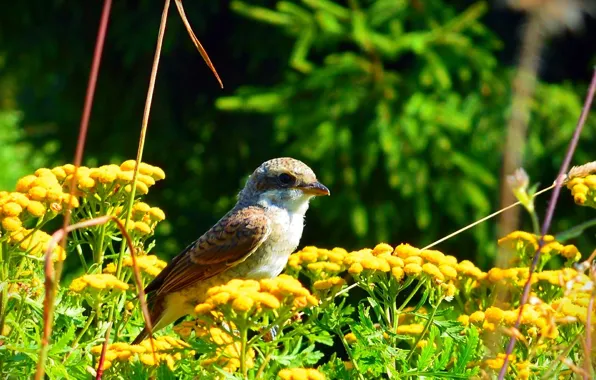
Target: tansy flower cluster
526, 245
149, 264
167, 350
97, 282
300, 374
537, 319
144, 218
36, 195
517, 277
251, 298
35, 243
583, 190
107, 180
318, 263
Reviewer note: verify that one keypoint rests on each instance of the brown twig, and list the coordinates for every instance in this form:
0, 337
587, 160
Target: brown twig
549, 215
51, 284
102, 356
196, 41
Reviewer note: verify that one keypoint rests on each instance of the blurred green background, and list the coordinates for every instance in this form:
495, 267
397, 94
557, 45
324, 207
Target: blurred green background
400, 106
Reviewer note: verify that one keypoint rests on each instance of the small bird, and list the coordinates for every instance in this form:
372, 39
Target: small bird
252, 241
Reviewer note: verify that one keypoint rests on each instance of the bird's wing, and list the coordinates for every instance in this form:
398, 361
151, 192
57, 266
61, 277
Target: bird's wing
235, 237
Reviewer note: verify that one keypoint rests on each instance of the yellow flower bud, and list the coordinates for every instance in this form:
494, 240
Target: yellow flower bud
12, 209
11, 223
36, 209
243, 304
85, 183
37, 193
24, 183
142, 227
412, 269
157, 214
355, 268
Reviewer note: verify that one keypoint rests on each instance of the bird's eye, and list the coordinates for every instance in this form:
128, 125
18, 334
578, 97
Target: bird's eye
286, 179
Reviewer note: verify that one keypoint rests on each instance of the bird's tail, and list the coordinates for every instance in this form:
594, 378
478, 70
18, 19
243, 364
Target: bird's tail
156, 309
162, 313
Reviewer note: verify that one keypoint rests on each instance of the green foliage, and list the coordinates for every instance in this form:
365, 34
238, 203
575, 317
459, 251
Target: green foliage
385, 97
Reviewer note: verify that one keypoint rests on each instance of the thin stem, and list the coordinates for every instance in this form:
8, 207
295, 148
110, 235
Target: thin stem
52, 283
80, 335
349, 352
483, 220
265, 362
243, 344
426, 327
549, 216
405, 303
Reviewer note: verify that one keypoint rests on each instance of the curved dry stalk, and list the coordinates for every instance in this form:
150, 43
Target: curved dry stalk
48, 310
549, 216
102, 356
145, 123
196, 41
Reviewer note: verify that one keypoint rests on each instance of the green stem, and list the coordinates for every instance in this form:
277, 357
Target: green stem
80, 335
243, 344
265, 362
535, 223
405, 303
426, 327
349, 352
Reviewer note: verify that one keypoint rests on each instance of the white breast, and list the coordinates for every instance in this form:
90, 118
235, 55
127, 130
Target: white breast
270, 259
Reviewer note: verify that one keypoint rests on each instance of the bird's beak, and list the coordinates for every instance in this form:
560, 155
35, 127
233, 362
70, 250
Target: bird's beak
315, 188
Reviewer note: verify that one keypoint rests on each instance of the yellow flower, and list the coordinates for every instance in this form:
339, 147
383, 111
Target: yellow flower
433, 271
12, 209
243, 304
412, 269
498, 362
37, 193
406, 250
412, 329
350, 338
157, 214
382, 248
59, 172
168, 350
98, 282
493, 314
85, 183
24, 183
255, 296
434, 257
398, 273
37, 209
149, 264
11, 223
355, 268
141, 188
329, 283
467, 268
142, 228
448, 271
300, 374
476, 317
464, 319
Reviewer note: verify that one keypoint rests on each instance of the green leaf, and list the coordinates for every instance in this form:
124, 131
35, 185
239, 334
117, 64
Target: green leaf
467, 351
428, 351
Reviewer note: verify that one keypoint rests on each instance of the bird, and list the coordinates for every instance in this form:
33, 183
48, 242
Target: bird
252, 241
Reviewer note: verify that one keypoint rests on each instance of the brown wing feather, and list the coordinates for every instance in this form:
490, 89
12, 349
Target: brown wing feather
235, 237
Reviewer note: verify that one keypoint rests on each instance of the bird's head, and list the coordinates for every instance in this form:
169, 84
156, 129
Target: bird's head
282, 182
